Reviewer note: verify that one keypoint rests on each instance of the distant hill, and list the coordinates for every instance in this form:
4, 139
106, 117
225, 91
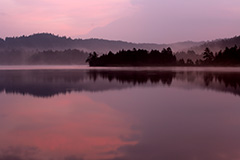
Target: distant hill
217, 45
46, 41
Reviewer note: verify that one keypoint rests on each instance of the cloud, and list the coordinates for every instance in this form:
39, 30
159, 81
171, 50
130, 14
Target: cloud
166, 21
18, 153
73, 158
2, 14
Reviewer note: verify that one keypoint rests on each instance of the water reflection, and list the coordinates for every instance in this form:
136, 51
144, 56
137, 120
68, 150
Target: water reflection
65, 127
119, 115
47, 83
134, 77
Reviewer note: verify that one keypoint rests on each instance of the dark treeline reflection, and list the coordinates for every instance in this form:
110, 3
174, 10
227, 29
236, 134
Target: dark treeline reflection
231, 80
47, 83
135, 77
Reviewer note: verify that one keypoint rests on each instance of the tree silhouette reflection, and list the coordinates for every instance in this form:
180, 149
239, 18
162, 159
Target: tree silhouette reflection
47, 83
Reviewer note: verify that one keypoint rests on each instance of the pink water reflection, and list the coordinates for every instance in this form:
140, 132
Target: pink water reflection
63, 127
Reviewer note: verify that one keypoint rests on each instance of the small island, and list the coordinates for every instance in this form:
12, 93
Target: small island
228, 57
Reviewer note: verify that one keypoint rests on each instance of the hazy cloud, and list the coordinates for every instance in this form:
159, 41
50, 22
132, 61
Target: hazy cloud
173, 20
72, 17
2, 14
19, 153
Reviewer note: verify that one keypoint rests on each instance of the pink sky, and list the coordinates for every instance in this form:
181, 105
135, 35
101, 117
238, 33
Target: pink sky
159, 21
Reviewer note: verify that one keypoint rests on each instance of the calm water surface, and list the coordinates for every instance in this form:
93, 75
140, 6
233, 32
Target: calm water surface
78, 113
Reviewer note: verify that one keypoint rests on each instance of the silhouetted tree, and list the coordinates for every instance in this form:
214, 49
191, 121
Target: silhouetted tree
190, 62
230, 56
198, 62
181, 62
92, 58
208, 56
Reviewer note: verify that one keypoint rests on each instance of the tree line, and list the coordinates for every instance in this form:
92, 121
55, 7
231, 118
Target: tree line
35, 57
228, 57
133, 57
69, 56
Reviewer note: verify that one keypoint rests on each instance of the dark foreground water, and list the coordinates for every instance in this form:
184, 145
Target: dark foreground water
79, 113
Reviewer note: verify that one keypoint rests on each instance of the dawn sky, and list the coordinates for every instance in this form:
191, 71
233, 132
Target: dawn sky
158, 21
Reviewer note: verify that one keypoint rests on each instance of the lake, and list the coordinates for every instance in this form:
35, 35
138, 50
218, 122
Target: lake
82, 113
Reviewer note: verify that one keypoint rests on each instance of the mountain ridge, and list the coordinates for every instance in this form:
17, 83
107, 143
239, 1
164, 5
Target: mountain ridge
49, 41
46, 41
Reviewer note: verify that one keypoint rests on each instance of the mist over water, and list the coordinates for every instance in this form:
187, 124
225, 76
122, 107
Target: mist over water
78, 113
